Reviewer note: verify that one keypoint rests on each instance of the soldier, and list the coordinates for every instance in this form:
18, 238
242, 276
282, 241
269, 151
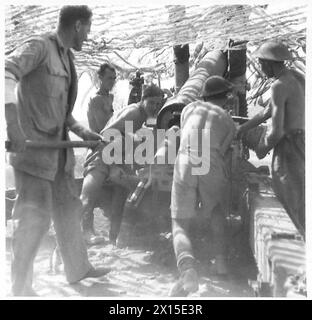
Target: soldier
43, 71
100, 110
100, 107
286, 137
211, 188
97, 173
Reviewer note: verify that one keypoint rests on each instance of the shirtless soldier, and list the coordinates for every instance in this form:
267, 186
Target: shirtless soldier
100, 107
100, 110
287, 138
97, 173
211, 186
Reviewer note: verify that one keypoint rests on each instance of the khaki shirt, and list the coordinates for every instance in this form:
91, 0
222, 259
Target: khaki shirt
47, 91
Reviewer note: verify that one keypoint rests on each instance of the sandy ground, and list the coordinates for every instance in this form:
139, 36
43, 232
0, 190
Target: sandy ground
143, 265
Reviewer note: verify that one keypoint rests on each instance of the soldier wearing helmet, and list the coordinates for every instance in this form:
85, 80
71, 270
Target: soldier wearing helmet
216, 86
209, 125
286, 137
273, 51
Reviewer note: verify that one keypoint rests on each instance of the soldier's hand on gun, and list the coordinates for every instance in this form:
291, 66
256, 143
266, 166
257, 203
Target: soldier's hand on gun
240, 132
262, 149
148, 172
143, 173
81, 131
91, 135
261, 153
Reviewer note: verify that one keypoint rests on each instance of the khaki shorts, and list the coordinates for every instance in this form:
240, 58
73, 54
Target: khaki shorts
189, 190
109, 173
94, 162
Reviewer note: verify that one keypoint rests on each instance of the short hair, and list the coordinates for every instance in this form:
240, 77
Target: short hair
104, 67
152, 91
70, 14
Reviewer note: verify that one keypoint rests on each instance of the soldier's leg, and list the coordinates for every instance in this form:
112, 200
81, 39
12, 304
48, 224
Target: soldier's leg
218, 224
288, 175
117, 208
66, 219
183, 205
90, 194
188, 281
122, 182
31, 220
182, 243
214, 195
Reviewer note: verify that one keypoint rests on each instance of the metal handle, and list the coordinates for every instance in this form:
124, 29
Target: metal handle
56, 144
240, 119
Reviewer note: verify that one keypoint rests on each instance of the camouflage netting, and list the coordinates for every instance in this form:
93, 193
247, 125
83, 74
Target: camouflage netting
142, 37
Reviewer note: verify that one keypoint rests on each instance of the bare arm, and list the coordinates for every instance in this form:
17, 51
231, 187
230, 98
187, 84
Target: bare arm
278, 102
130, 114
259, 118
80, 130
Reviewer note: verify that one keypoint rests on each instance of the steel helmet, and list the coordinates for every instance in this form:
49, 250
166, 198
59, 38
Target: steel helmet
273, 50
215, 85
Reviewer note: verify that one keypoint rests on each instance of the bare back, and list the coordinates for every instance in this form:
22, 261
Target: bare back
205, 115
294, 89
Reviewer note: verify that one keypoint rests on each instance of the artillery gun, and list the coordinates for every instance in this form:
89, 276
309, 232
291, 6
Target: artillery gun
276, 246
